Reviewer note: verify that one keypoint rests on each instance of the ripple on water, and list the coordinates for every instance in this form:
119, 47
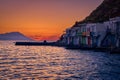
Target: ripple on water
40, 62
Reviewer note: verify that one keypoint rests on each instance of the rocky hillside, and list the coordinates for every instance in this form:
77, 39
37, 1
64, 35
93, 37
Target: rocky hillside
108, 9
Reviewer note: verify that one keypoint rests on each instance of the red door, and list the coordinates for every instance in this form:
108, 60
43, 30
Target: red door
89, 41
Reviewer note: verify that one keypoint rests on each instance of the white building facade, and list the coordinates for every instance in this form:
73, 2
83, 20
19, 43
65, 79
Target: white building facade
93, 34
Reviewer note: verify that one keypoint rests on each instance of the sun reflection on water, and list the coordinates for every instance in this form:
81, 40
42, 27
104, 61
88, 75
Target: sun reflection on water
46, 62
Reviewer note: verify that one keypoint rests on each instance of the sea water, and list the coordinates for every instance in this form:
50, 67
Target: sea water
56, 63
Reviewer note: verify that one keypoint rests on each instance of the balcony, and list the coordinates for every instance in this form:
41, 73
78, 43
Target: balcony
79, 34
86, 34
93, 34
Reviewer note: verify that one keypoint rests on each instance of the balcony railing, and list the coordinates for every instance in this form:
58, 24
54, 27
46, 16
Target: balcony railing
79, 34
86, 34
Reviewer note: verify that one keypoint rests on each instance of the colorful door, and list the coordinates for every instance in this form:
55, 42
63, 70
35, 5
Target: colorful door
89, 41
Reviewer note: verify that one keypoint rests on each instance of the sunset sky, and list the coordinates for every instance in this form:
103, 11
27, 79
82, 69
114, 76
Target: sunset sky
43, 19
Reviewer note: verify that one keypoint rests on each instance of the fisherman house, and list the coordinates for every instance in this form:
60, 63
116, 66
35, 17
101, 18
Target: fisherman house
104, 34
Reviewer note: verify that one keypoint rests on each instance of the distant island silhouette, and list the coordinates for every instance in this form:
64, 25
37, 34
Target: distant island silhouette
13, 36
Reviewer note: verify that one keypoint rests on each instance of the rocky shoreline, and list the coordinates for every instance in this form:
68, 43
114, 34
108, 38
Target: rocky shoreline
96, 49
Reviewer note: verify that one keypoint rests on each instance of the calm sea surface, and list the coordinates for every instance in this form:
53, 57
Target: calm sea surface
56, 63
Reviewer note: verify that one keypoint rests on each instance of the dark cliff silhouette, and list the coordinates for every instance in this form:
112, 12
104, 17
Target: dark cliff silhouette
106, 10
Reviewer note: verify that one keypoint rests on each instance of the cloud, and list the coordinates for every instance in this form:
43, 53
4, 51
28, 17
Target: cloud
42, 38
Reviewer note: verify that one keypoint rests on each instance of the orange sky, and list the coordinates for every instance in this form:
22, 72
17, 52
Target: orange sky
43, 19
